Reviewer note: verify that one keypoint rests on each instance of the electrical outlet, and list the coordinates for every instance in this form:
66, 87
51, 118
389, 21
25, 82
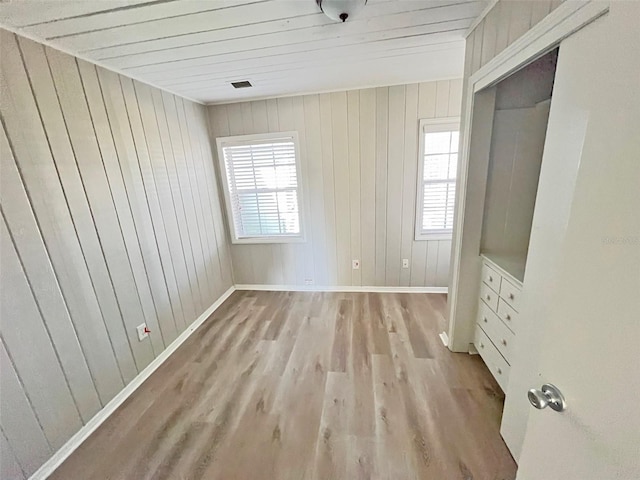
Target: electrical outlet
143, 331
405, 263
355, 264
308, 281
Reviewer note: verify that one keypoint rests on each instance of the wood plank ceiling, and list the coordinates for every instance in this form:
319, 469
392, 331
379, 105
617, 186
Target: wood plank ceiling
196, 48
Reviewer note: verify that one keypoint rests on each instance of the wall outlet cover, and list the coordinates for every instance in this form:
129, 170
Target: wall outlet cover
405, 263
355, 264
143, 331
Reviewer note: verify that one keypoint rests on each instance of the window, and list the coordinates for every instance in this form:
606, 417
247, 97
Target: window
437, 178
262, 187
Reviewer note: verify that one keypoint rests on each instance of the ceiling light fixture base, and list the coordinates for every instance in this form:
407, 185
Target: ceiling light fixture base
341, 10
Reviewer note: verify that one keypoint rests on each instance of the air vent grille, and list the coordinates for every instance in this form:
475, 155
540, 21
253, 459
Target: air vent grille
242, 84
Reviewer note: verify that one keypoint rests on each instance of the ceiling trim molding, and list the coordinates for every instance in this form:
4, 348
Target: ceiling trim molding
17, 31
480, 17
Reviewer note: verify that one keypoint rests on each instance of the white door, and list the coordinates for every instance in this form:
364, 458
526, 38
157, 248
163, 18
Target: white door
582, 286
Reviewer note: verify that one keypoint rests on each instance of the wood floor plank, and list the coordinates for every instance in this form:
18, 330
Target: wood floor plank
362, 418
342, 337
377, 315
333, 441
295, 385
394, 442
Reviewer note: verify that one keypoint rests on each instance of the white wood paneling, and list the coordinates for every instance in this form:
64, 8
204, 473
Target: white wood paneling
291, 263
173, 208
9, 466
304, 251
353, 126
367, 185
359, 159
328, 189
197, 47
409, 185
506, 22
143, 168
211, 180
183, 199
118, 193
426, 109
29, 13
19, 422
395, 160
315, 196
110, 218
49, 393
341, 185
157, 170
108, 263
126, 154
38, 172
19, 217
380, 205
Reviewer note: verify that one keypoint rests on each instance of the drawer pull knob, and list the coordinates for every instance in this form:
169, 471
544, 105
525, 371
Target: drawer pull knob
499, 371
484, 319
481, 345
490, 278
511, 297
488, 297
504, 342
508, 317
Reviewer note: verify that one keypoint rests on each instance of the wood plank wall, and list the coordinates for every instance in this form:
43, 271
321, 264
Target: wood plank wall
507, 21
110, 218
359, 152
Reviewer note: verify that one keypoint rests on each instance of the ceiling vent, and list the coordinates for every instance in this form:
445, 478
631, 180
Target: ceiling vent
242, 84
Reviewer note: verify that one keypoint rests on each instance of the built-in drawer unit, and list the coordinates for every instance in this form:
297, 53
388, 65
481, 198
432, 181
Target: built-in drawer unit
496, 330
497, 319
510, 293
508, 315
491, 277
489, 296
492, 358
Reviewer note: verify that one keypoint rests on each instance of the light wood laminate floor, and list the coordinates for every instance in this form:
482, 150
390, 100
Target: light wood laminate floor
286, 385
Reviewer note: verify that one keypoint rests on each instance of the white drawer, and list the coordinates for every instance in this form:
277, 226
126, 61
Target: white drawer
498, 333
510, 293
489, 297
491, 277
492, 358
508, 315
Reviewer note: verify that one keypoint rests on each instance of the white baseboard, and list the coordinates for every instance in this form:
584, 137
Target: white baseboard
74, 442
346, 288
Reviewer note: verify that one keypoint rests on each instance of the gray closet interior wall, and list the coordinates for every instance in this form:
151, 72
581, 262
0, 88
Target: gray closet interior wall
110, 218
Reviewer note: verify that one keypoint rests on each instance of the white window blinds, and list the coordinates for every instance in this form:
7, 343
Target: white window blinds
437, 186
262, 186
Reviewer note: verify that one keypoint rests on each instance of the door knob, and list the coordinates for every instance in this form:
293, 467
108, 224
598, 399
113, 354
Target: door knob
549, 395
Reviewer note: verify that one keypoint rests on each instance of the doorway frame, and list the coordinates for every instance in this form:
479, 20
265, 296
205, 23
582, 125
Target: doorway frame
566, 19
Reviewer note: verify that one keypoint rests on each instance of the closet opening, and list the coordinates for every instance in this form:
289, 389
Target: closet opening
520, 116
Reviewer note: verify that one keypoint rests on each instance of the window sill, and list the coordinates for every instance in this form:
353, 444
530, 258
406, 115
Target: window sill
421, 237
266, 240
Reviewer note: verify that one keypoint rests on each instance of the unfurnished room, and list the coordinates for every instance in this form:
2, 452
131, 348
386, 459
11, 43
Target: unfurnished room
319, 239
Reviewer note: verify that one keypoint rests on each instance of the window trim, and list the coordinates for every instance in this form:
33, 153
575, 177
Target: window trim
221, 142
430, 125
